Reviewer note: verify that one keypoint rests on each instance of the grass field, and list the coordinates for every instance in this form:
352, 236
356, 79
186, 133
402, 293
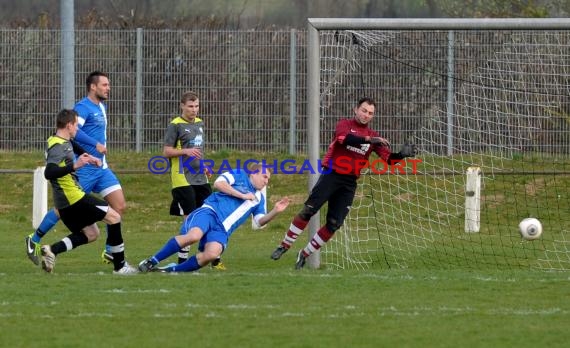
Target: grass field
257, 302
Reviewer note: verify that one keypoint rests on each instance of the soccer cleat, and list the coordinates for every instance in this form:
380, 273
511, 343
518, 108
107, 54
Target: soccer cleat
301, 259
127, 270
48, 258
278, 252
106, 257
165, 269
217, 264
146, 266
33, 250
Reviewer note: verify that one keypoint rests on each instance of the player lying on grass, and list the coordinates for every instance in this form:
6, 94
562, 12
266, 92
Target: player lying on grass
239, 195
78, 210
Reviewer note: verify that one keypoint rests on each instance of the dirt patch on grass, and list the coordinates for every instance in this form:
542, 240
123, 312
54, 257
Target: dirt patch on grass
493, 201
532, 188
4, 208
295, 199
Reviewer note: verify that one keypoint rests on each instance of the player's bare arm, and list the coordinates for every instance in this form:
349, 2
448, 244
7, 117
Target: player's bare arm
226, 188
279, 207
102, 149
84, 159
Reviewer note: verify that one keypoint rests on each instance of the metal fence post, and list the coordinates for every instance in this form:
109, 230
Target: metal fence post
67, 54
139, 91
293, 94
450, 90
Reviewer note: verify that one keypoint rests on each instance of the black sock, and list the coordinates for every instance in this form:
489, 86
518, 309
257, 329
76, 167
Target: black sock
70, 242
115, 241
183, 254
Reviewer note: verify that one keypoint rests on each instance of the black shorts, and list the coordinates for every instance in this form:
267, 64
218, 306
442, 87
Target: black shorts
86, 211
187, 198
336, 189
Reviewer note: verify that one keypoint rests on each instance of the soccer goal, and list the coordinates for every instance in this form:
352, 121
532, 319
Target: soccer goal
488, 104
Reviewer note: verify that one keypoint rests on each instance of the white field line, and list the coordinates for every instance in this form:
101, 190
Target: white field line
519, 277
271, 311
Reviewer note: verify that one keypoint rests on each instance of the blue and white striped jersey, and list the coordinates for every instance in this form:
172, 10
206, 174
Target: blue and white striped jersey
232, 211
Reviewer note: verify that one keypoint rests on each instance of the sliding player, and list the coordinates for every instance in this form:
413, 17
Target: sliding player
239, 195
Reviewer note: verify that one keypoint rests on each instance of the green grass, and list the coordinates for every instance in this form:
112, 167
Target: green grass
257, 302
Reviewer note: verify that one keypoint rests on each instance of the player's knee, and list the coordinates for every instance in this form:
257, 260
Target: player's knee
91, 232
212, 251
120, 207
191, 236
333, 225
185, 240
112, 217
116, 200
209, 256
307, 212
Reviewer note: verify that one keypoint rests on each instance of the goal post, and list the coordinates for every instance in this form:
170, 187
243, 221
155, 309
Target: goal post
313, 125
484, 93
40, 197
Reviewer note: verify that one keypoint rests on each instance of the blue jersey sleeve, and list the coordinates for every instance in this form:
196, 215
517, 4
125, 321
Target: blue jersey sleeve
83, 138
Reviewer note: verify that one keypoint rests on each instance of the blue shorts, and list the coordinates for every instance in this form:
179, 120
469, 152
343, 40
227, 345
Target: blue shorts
206, 220
98, 180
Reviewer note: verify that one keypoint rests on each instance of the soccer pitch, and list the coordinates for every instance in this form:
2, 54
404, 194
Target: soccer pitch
257, 302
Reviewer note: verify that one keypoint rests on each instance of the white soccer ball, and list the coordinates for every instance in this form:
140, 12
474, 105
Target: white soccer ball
530, 228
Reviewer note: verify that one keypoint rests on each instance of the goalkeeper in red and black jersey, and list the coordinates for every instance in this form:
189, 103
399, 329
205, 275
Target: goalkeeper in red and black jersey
352, 145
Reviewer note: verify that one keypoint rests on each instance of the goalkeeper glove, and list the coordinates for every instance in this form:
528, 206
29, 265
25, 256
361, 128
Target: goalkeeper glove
408, 150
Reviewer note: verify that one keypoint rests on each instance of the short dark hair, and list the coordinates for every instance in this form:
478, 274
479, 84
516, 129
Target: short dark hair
94, 78
367, 100
188, 96
64, 117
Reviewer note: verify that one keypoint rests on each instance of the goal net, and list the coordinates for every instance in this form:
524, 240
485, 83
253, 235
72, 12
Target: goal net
494, 99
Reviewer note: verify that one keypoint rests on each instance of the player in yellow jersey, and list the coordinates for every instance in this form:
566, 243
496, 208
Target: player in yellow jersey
78, 210
184, 146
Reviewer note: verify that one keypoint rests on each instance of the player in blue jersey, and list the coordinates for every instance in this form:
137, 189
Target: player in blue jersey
91, 136
239, 195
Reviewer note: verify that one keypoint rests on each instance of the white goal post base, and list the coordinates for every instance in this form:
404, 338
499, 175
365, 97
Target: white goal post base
473, 200
40, 197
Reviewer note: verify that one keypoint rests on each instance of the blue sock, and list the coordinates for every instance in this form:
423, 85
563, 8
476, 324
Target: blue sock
170, 248
49, 220
189, 265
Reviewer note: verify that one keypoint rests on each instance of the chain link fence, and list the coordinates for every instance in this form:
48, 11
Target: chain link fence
243, 79
252, 83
